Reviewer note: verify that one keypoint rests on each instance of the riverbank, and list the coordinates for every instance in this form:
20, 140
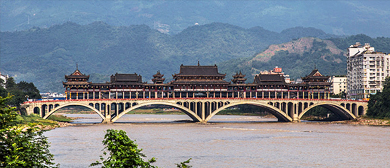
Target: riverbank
365, 121
54, 121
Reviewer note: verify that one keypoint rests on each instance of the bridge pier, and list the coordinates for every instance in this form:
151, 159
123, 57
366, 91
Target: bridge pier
107, 120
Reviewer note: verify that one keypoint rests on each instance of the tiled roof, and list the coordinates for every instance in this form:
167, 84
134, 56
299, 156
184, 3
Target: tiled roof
269, 78
214, 82
199, 70
126, 78
76, 74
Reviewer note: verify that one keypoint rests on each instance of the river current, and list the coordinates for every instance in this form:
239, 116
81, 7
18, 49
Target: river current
227, 141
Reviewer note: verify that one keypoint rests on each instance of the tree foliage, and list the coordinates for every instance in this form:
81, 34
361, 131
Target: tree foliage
21, 92
123, 152
379, 104
21, 146
184, 164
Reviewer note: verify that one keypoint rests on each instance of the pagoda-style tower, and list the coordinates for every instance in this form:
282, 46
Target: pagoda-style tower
315, 80
76, 85
76, 80
199, 75
238, 78
158, 78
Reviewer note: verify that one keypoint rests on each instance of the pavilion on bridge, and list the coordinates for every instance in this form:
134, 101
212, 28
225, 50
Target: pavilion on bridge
197, 82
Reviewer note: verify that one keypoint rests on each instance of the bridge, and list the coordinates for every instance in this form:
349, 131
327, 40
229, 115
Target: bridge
202, 109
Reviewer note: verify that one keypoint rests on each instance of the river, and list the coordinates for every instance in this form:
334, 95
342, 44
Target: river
227, 141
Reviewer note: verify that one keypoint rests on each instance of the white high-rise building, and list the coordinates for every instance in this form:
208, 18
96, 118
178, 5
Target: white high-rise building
339, 84
366, 71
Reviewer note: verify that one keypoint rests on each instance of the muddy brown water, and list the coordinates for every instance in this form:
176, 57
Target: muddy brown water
227, 141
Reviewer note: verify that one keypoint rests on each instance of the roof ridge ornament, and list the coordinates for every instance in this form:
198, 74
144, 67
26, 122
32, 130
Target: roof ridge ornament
198, 63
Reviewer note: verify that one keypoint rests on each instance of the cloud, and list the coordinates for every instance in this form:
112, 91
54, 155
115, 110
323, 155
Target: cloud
359, 7
275, 11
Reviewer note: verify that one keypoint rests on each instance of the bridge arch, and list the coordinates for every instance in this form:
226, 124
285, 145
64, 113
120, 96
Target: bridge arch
186, 110
343, 112
72, 104
273, 110
36, 110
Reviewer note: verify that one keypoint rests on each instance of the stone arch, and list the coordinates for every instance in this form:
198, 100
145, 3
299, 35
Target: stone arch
121, 107
187, 111
43, 109
283, 107
344, 113
72, 104
305, 105
290, 109
348, 106
127, 105
192, 106
354, 109
220, 104
36, 110
273, 110
51, 106
277, 104
214, 106
186, 104
300, 107
97, 106
360, 110
23, 111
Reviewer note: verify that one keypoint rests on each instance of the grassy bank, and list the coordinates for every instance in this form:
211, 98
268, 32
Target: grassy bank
52, 122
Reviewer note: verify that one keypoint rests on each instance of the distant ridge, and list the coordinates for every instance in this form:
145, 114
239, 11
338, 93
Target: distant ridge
45, 55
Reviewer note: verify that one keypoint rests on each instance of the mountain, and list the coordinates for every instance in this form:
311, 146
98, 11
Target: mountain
297, 58
45, 55
334, 17
300, 56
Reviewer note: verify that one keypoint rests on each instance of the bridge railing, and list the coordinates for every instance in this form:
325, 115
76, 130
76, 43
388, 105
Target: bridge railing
139, 99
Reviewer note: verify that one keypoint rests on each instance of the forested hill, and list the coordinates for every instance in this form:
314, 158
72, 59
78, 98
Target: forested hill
300, 56
45, 55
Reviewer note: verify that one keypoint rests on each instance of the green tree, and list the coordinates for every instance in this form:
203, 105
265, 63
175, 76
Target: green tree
21, 92
123, 152
184, 164
3, 91
21, 146
379, 104
10, 83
